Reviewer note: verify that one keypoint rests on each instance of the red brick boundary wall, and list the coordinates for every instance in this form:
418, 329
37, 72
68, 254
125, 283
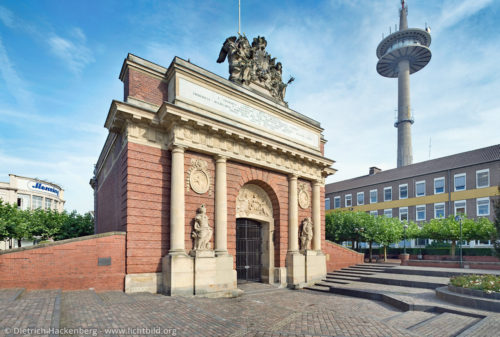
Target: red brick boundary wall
338, 257
94, 261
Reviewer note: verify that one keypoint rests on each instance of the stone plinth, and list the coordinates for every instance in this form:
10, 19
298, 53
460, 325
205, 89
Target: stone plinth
178, 275
144, 282
295, 267
315, 266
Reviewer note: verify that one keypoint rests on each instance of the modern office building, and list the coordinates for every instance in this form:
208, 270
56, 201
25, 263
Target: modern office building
32, 193
464, 183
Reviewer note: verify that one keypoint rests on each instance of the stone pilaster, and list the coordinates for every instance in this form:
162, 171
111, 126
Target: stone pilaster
293, 215
316, 216
177, 202
220, 206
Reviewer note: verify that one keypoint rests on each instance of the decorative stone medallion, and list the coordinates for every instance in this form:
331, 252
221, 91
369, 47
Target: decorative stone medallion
304, 198
198, 176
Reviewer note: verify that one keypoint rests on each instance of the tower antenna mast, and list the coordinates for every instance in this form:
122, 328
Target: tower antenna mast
239, 17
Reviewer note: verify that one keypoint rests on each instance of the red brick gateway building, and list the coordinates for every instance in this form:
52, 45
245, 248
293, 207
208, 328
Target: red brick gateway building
213, 180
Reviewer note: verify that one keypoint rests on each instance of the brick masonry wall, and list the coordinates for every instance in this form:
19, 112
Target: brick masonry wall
67, 265
110, 203
453, 264
148, 204
338, 257
144, 87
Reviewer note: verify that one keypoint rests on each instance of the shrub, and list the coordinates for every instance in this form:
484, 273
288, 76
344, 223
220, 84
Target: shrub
486, 283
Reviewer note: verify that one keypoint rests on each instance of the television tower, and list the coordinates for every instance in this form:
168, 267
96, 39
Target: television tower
400, 54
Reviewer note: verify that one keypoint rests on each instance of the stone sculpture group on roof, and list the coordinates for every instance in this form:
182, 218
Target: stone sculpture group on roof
252, 64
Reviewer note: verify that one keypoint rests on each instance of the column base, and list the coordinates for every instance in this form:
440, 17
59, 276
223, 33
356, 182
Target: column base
315, 266
295, 270
143, 282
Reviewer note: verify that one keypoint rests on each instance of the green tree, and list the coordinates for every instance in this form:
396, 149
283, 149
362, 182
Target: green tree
390, 231
496, 238
75, 225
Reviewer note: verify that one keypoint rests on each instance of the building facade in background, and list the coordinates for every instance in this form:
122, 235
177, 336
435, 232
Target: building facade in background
214, 181
465, 183
30, 193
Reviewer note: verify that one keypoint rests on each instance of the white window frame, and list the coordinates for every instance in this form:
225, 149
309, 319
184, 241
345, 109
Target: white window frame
345, 200
416, 212
477, 206
455, 206
374, 213
416, 189
477, 180
334, 202
388, 188
37, 197
458, 175
388, 210
47, 202
444, 210
327, 204
357, 198
401, 209
376, 196
403, 185
444, 185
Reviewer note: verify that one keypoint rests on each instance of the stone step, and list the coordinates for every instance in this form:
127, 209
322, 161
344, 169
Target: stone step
467, 300
488, 326
366, 269
343, 277
444, 325
402, 282
353, 272
409, 318
319, 287
334, 281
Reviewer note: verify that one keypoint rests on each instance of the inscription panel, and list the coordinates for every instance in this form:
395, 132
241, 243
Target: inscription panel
247, 113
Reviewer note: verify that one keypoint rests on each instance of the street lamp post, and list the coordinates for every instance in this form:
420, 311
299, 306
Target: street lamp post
404, 236
459, 219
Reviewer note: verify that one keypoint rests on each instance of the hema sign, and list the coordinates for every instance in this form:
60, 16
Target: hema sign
38, 186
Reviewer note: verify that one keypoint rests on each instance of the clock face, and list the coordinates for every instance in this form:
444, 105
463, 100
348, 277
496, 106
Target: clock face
199, 181
303, 199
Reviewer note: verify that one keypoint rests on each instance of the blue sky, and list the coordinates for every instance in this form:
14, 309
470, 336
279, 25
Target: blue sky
60, 61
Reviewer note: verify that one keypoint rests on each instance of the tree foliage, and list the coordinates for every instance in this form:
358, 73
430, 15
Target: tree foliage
20, 224
496, 238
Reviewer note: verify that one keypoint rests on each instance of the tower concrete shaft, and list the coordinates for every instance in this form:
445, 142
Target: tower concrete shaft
405, 152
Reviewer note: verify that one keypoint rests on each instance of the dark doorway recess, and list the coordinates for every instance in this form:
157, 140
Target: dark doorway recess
248, 250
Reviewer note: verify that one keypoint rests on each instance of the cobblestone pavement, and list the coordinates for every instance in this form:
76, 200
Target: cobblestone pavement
261, 311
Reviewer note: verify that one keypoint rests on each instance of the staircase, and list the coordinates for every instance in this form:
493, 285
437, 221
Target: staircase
410, 290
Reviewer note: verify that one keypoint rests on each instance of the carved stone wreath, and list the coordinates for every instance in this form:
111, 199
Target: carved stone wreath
304, 198
198, 177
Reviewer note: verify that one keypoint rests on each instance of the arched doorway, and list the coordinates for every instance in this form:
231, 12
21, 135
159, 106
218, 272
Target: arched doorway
254, 235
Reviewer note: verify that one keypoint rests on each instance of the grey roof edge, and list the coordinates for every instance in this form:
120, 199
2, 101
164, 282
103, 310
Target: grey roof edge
416, 169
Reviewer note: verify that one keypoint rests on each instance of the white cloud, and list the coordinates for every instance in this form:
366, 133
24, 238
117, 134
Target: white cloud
75, 54
455, 11
6, 17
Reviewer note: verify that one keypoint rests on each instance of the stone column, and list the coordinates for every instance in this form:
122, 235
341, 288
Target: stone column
293, 215
316, 215
177, 202
220, 206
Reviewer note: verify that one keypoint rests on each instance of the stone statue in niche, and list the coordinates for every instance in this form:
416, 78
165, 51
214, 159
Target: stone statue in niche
307, 234
202, 232
253, 64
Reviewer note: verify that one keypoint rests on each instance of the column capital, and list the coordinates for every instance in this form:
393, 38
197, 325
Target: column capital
178, 148
220, 158
317, 183
292, 176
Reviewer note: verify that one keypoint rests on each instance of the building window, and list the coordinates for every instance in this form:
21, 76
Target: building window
327, 204
439, 211
48, 203
374, 213
439, 185
403, 213
388, 213
55, 204
23, 201
361, 198
460, 182
373, 196
348, 200
37, 202
403, 191
420, 188
387, 193
460, 207
483, 206
420, 213
483, 178
336, 202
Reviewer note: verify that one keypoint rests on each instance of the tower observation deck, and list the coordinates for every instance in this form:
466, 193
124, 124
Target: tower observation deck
400, 54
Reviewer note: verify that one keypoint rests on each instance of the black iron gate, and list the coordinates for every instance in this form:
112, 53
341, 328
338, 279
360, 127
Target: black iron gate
248, 250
